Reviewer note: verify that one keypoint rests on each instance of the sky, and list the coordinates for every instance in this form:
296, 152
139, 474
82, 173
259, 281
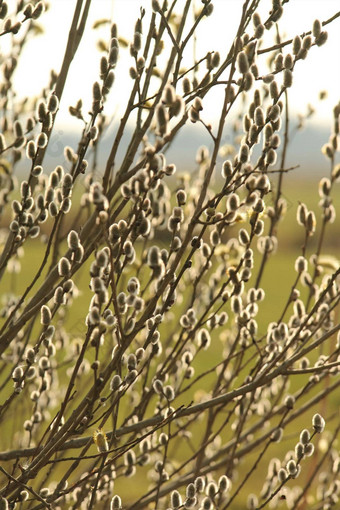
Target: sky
320, 71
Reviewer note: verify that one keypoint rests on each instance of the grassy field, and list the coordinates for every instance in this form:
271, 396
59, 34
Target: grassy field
277, 281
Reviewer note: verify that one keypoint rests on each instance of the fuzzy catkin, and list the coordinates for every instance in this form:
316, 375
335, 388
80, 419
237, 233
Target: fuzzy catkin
242, 62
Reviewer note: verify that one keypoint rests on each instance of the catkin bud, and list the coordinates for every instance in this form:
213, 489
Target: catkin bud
287, 78
58, 296
116, 381
208, 9
64, 267
277, 435
45, 315
65, 205
242, 62
268, 78
193, 115
27, 12
42, 140
42, 111
103, 66
318, 423
299, 451
291, 467
256, 19
212, 490
116, 503
274, 112
169, 392
243, 154
158, 386
206, 504
308, 449
102, 258
271, 157
67, 185
133, 374
203, 338
296, 44
259, 31
199, 484
137, 41
282, 475
176, 500
317, 27
114, 52
53, 209
321, 39
243, 237
306, 42
305, 436
310, 223
233, 202
14, 226
186, 86
73, 240
68, 286
156, 5
31, 150
197, 104
227, 169
278, 63
162, 118
53, 180
39, 9
53, 103
274, 89
110, 78
302, 212
223, 483
169, 95
289, 401
259, 117
17, 373
300, 264
96, 91
18, 130
236, 304
255, 71
246, 123
288, 61
247, 81
163, 439
93, 133
181, 197
190, 490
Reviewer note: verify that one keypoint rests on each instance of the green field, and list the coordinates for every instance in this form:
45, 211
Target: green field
277, 281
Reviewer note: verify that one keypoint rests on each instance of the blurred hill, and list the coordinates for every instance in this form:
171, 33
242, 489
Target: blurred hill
304, 149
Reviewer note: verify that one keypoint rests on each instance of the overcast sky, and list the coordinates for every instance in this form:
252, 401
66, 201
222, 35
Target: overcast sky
321, 70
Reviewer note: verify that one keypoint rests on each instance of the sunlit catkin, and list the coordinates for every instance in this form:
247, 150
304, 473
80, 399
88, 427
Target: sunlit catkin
318, 423
287, 78
242, 62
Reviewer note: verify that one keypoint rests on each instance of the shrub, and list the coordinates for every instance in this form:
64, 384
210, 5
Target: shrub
173, 376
